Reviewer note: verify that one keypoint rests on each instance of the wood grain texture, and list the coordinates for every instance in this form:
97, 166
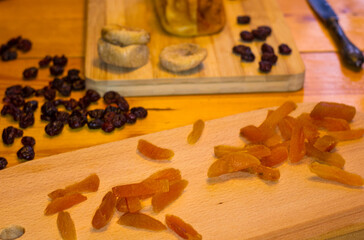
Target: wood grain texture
221, 72
299, 206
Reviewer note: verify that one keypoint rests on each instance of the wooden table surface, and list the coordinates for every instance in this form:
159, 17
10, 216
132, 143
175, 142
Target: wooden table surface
58, 27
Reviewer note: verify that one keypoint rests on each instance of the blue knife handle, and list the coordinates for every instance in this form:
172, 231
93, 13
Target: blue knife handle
351, 55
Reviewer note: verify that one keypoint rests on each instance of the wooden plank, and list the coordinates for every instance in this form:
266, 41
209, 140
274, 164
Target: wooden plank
221, 72
299, 206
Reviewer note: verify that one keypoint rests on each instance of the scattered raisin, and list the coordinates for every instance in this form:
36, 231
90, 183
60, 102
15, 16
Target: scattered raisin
247, 36
265, 66
112, 109
49, 93
241, 49
96, 113
56, 83
93, 95
60, 61
111, 97
4, 48
84, 102
77, 119
243, 19
107, 127
122, 104
26, 120
9, 55
54, 128
265, 29
30, 106
13, 41
49, 109
13, 90
27, 92
73, 72
26, 153
28, 141
270, 57
119, 120
266, 48
260, 34
95, 124
139, 112
65, 89
17, 100
56, 70
24, 45
79, 85
10, 133
130, 117
30, 73
45, 61
3, 163
71, 104
62, 116
284, 49
250, 57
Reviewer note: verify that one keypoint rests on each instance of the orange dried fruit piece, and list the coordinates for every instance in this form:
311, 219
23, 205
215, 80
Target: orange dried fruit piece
170, 174
183, 229
121, 205
232, 162
154, 152
105, 211
89, 184
310, 130
334, 110
196, 133
325, 143
256, 150
66, 226
347, 135
142, 188
252, 134
278, 155
140, 220
162, 200
297, 143
221, 150
133, 204
334, 159
63, 203
332, 124
336, 174
265, 173
285, 126
273, 140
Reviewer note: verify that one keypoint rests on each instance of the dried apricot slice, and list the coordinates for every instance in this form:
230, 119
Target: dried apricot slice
347, 135
273, 140
170, 174
334, 110
252, 134
297, 144
162, 200
134, 204
142, 188
336, 174
265, 173
154, 152
196, 133
256, 150
332, 124
121, 205
66, 226
285, 126
278, 155
63, 203
89, 184
105, 211
334, 159
325, 143
183, 229
140, 220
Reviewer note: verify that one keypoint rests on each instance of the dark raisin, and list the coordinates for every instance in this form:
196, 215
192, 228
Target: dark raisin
265, 29
107, 127
24, 45
9, 55
111, 97
17, 100
3, 163
28, 141
26, 153
45, 61
72, 78
139, 112
122, 104
62, 116
241, 49
93, 95
27, 92
96, 113
12, 110
13, 41
56, 83
30, 106
14, 90
39, 92
49, 93
4, 48
30, 73
54, 128
108, 117
26, 120
46, 118
84, 102
71, 104
243, 19
250, 57
10, 133
77, 119
284, 49
95, 124
130, 117
266, 48
65, 89
247, 36
73, 72
119, 120
60, 61
79, 85
49, 109
265, 66
58, 102
56, 70
260, 34
112, 109
270, 57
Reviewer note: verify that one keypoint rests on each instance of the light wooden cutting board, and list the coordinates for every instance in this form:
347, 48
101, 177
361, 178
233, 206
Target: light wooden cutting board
299, 206
221, 72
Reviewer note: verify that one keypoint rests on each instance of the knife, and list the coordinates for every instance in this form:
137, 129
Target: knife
350, 54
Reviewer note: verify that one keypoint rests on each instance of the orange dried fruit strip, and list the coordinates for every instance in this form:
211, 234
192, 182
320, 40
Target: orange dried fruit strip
89, 184
265, 173
133, 204
232, 162
329, 158
256, 150
336, 174
285, 126
334, 110
63, 203
142, 188
140, 220
273, 140
347, 135
196, 133
221, 150
121, 205
252, 134
154, 152
310, 130
183, 229
66, 226
162, 200
297, 144
105, 211
325, 143
170, 174
278, 155
332, 124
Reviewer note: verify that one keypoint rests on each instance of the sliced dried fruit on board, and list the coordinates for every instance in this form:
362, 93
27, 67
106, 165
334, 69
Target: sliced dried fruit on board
257, 150
183, 229
196, 133
105, 211
278, 155
134, 204
162, 200
334, 110
332, 124
142, 188
89, 184
334, 159
63, 203
265, 173
170, 174
336, 174
252, 134
66, 226
154, 152
121, 205
140, 220
347, 135
325, 143
297, 144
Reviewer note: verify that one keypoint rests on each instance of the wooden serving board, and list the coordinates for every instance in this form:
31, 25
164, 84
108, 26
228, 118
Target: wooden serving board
221, 72
241, 206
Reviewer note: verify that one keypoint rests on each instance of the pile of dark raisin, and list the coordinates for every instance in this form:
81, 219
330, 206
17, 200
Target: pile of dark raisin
26, 153
8, 51
268, 57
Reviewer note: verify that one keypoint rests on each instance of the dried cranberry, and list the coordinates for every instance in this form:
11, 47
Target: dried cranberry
84, 102
49, 109
30, 106
130, 117
241, 49
3, 163
77, 119
270, 57
60, 61
45, 61
249, 57
96, 113
28, 141
13, 41
49, 93
122, 104
284, 49
27, 92
30, 73
266, 48
24, 45
95, 124
26, 120
111, 97
10, 133
62, 116
54, 128
243, 19
56, 70
139, 112
26, 153
93, 95
14, 90
265, 66
107, 127
247, 36
118, 120
79, 85
9, 55
71, 104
